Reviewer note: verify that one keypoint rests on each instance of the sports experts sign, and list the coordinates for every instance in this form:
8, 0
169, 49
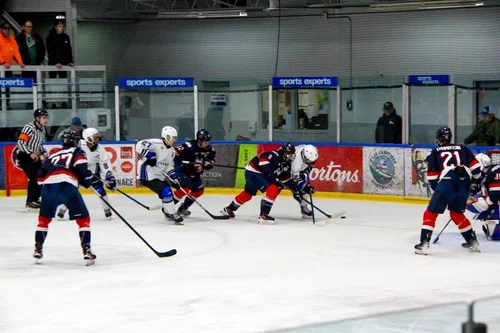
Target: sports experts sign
156, 82
16, 83
305, 82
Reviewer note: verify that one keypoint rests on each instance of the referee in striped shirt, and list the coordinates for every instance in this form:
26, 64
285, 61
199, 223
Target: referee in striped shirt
30, 146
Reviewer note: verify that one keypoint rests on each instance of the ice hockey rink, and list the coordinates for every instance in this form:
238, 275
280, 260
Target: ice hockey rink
239, 276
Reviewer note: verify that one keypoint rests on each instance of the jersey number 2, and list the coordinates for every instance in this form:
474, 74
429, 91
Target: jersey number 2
64, 158
448, 156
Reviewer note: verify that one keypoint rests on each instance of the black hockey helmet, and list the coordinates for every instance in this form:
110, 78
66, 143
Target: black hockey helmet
40, 113
444, 134
203, 135
287, 148
70, 138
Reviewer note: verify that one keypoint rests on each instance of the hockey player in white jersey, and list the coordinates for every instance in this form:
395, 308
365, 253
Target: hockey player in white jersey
156, 158
99, 165
302, 163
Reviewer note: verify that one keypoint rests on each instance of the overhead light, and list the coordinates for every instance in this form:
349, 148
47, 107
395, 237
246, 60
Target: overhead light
203, 14
419, 5
60, 17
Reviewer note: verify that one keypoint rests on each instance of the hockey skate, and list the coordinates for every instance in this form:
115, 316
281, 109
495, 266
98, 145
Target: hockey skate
265, 218
60, 214
107, 214
306, 213
33, 205
183, 210
422, 248
472, 244
38, 254
228, 211
173, 217
88, 256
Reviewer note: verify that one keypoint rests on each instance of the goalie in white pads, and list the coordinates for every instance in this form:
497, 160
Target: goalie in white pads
485, 203
156, 160
98, 164
302, 164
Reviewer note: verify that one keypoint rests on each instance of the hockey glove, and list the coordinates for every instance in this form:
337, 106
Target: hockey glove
198, 165
174, 180
87, 181
207, 164
151, 158
110, 181
305, 187
475, 188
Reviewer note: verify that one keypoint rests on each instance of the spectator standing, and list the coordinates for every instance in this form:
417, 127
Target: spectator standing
30, 146
31, 47
59, 49
487, 131
8, 52
389, 126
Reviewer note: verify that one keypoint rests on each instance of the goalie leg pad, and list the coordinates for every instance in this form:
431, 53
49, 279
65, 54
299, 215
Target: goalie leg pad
480, 205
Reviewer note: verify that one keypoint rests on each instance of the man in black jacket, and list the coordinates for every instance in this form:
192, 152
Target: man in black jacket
389, 126
31, 47
59, 49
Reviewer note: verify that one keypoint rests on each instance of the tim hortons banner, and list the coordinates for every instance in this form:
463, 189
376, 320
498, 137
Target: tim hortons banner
383, 170
227, 155
122, 158
338, 169
416, 183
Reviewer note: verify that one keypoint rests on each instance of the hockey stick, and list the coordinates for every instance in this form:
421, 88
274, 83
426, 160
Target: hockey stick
311, 198
215, 217
155, 207
437, 238
159, 254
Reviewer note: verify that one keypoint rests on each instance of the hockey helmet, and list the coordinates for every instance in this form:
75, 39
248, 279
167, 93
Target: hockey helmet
310, 154
90, 134
70, 138
444, 134
287, 151
203, 135
484, 160
40, 113
169, 135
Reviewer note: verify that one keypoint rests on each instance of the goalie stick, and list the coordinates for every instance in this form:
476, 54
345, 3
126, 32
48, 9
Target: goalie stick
215, 217
159, 254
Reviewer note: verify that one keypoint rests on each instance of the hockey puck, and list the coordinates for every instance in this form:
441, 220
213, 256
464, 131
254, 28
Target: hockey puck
342, 217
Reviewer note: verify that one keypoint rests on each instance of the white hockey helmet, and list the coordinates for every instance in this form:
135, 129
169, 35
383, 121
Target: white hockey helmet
484, 160
310, 154
169, 134
89, 134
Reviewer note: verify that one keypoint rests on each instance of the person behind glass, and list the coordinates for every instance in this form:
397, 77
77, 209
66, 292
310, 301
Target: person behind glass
487, 131
31, 47
389, 126
59, 49
31, 150
8, 52
76, 125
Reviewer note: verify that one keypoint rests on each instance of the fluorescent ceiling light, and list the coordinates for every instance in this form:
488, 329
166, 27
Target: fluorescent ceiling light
204, 14
426, 5
60, 17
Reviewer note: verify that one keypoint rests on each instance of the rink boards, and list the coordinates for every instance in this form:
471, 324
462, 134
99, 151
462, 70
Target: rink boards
392, 170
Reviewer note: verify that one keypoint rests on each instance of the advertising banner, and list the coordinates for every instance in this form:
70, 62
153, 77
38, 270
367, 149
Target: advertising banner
416, 183
219, 176
245, 154
2, 167
428, 79
383, 170
122, 158
305, 82
338, 169
155, 82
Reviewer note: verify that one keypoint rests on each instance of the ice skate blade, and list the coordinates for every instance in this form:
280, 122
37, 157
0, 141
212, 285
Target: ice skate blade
421, 252
261, 221
89, 262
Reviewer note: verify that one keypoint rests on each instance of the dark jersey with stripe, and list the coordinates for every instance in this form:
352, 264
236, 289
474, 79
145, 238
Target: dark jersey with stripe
66, 165
446, 158
271, 165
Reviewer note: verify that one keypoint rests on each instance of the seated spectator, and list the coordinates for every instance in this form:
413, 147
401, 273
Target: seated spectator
389, 126
31, 47
59, 49
487, 131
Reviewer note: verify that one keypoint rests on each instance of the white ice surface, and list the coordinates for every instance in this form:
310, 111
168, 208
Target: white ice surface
237, 275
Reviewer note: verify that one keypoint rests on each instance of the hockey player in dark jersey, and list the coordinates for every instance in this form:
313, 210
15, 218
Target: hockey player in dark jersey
192, 158
485, 204
452, 170
264, 173
61, 174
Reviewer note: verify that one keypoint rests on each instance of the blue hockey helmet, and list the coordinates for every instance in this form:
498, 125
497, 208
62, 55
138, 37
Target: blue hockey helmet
287, 149
70, 138
444, 134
